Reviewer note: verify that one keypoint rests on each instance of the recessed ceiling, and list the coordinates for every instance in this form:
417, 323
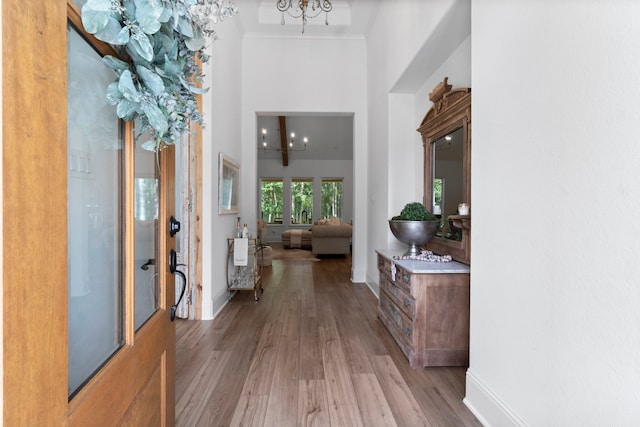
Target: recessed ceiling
330, 136
348, 18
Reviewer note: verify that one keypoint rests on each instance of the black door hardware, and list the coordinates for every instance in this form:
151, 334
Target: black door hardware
174, 226
173, 269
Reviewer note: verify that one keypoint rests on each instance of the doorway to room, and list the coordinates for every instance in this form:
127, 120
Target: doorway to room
301, 182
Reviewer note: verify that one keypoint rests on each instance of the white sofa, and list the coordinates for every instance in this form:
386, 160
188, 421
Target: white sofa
331, 237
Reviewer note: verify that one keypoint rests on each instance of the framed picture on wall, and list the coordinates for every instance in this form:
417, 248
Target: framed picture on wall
228, 186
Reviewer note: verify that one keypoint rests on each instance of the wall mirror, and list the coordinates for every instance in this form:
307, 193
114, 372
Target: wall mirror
228, 186
446, 140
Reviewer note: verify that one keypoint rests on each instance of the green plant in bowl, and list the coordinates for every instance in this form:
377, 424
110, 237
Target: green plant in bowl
415, 211
414, 226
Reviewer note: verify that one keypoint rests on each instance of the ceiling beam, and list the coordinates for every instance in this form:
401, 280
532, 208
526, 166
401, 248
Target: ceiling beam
283, 141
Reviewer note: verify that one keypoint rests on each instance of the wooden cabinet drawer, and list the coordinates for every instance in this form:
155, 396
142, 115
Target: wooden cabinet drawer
402, 299
384, 264
401, 323
384, 267
402, 278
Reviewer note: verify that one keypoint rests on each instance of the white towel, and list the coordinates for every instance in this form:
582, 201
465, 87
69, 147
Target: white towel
240, 251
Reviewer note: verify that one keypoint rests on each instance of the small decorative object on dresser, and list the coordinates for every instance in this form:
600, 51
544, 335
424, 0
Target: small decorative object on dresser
414, 226
425, 307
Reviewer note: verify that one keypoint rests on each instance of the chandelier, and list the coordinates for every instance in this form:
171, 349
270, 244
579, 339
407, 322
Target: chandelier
300, 8
291, 146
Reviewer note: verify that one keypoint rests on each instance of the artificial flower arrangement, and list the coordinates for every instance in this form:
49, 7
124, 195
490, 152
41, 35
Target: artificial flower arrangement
157, 75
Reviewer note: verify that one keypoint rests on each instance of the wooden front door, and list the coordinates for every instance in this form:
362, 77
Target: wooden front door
85, 238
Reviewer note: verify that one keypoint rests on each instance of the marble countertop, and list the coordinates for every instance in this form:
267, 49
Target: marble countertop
424, 267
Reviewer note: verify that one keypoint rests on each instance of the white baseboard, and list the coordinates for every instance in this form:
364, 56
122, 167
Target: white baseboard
488, 408
211, 308
372, 283
375, 289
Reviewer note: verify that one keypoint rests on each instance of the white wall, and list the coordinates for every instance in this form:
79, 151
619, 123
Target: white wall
554, 299
222, 134
315, 169
410, 47
309, 75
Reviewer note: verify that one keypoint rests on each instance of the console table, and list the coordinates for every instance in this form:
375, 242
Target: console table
425, 307
245, 278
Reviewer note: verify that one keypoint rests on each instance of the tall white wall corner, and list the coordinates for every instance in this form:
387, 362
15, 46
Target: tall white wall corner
490, 410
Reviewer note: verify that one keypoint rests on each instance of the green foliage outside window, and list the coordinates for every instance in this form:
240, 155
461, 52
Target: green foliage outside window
332, 198
271, 200
146, 199
301, 201
437, 192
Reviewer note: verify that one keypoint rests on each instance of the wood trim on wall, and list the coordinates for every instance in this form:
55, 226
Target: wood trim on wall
190, 237
198, 225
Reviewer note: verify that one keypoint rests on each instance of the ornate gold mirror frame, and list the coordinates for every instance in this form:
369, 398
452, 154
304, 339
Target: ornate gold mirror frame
451, 110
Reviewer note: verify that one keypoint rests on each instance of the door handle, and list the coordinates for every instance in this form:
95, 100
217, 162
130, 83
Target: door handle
173, 261
146, 265
174, 227
173, 269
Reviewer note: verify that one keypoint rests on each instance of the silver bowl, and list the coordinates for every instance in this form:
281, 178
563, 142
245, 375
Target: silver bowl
413, 233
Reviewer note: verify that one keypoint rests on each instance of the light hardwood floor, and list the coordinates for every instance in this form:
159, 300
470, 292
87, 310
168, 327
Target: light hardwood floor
311, 352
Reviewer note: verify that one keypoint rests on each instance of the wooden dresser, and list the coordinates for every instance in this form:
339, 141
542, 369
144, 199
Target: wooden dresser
425, 307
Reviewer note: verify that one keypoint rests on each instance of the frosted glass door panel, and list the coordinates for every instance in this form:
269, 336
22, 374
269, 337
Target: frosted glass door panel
95, 219
146, 216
